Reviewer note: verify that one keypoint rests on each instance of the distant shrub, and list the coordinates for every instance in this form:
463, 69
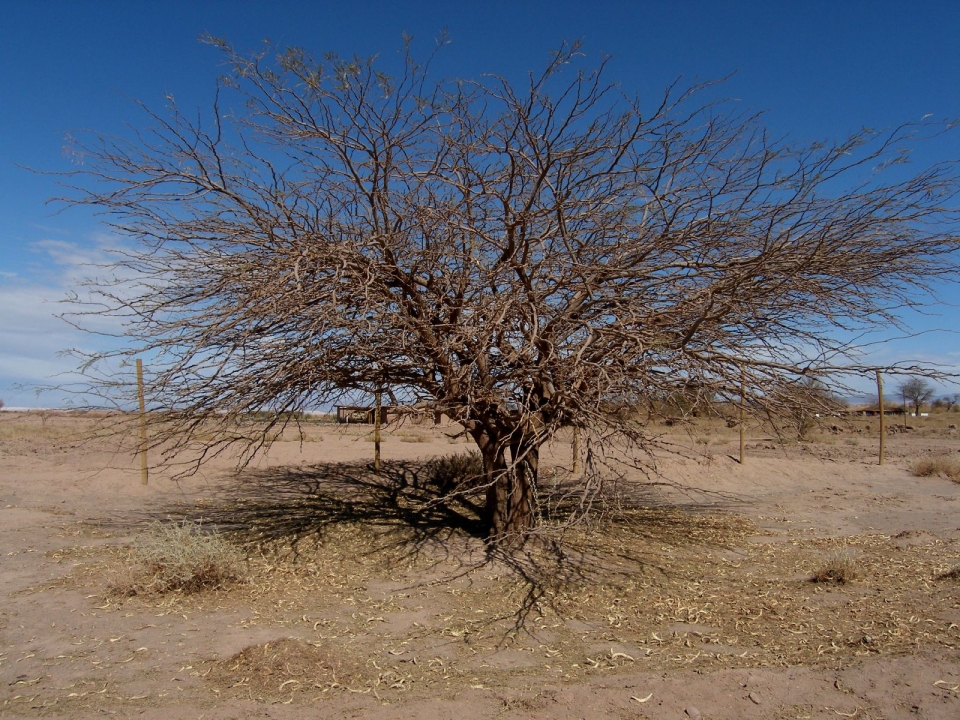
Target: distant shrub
184, 557
413, 438
839, 567
939, 466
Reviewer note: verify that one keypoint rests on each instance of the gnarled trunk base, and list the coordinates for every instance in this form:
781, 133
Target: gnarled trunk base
511, 498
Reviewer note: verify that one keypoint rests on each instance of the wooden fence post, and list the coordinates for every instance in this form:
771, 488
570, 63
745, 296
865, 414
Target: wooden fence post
376, 431
143, 425
883, 431
742, 402
576, 449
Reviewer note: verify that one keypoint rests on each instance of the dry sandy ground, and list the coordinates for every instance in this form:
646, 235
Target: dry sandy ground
698, 604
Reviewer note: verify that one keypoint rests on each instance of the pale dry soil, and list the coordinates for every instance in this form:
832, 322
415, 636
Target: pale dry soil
695, 601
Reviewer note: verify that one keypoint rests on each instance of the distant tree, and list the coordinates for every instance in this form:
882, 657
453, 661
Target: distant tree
916, 391
521, 258
806, 400
949, 402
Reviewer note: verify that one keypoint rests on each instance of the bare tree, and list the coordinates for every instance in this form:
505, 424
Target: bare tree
918, 391
806, 400
519, 258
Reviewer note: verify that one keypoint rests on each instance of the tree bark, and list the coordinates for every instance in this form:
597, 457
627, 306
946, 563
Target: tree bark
510, 493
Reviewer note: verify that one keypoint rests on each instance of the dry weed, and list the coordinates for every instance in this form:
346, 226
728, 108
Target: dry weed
456, 472
840, 567
940, 466
184, 557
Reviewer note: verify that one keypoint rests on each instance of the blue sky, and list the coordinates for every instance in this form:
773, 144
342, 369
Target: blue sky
819, 69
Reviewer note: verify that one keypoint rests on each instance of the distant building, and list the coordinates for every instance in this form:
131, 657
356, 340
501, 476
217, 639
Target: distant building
363, 414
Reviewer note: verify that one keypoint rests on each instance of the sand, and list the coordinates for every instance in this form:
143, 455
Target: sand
698, 605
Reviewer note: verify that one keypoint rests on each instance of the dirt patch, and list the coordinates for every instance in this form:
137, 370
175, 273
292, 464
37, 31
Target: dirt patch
290, 668
364, 597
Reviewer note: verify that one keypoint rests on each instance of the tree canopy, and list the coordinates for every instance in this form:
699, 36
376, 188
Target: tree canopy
520, 257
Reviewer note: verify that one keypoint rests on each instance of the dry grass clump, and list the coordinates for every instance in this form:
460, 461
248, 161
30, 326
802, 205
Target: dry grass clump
413, 437
940, 466
839, 567
184, 557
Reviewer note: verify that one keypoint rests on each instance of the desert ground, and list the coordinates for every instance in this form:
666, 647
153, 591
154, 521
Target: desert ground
358, 597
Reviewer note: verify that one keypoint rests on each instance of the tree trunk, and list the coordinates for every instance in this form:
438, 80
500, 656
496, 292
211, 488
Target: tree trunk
510, 494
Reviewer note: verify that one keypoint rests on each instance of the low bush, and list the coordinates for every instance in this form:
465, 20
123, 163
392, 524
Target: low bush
181, 557
939, 466
839, 567
456, 473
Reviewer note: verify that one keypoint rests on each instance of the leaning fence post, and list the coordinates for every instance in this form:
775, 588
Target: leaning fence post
143, 424
882, 414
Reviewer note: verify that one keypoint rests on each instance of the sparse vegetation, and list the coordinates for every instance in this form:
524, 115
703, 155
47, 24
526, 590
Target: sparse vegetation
42, 425
181, 557
381, 587
840, 566
413, 437
939, 466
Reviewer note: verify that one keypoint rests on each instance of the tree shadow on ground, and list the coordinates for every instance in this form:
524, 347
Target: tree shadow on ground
423, 510
406, 502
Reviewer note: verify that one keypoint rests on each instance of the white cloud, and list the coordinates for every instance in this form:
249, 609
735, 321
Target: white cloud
32, 336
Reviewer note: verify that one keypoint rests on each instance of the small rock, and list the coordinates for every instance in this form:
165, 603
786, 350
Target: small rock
692, 712
754, 698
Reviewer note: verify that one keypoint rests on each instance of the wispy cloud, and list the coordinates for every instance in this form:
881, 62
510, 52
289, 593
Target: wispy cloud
33, 337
